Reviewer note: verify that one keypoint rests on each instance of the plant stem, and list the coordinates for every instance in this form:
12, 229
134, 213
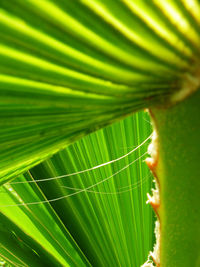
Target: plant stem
178, 172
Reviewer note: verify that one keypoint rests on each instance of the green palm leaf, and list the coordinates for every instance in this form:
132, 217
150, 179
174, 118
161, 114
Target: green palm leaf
101, 218
67, 69
70, 67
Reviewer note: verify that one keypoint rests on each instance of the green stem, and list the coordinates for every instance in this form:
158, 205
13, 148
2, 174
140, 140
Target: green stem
178, 172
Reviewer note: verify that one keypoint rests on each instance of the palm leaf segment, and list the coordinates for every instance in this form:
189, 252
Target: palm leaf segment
68, 68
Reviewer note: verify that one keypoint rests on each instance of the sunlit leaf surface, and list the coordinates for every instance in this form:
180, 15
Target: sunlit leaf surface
67, 69
103, 208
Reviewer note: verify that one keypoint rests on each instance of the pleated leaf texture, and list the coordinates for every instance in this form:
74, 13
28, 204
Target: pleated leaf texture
68, 68
51, 217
